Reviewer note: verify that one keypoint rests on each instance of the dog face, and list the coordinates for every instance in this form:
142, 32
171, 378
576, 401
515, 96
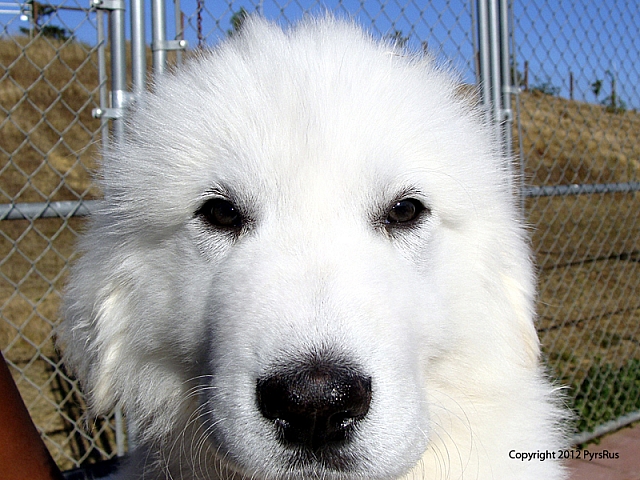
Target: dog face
306, 263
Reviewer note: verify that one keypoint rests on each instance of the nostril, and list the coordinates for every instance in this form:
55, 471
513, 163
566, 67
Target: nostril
314, 406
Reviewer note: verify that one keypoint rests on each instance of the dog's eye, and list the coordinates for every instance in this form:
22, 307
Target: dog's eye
404, 212
221, 213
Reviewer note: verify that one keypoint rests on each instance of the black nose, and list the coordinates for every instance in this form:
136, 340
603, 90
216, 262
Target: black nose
314, 405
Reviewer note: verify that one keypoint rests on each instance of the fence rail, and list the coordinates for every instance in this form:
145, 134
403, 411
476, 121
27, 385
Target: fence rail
579, 161
584, 189
35, 210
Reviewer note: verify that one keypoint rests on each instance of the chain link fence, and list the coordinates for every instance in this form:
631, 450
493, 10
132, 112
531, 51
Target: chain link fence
576, 129
48, 86
577, 63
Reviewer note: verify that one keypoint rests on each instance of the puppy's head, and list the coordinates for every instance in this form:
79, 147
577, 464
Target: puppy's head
303, 233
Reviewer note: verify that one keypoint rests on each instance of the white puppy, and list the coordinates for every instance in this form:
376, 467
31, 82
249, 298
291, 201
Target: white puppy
308, 264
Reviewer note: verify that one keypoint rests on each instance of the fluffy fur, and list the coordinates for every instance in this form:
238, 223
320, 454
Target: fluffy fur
313, 135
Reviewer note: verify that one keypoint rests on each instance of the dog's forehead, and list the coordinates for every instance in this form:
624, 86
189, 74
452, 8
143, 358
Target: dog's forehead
325, 111
308, 107
302, 92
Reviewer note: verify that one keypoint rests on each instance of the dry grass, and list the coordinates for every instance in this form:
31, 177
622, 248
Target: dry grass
567, 142
586, 246
47, 91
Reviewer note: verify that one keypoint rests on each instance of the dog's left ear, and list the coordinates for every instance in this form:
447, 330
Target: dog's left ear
521, 303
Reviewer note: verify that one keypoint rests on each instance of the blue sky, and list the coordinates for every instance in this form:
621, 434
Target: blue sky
593, 40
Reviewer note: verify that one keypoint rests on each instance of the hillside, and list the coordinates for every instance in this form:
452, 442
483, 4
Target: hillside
47, 93
569, 142
587, 249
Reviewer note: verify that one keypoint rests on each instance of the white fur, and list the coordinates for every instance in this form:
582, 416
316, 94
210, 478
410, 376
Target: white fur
312, 132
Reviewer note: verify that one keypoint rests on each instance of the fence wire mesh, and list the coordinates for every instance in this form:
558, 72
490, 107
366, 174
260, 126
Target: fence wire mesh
48, 86
577, 65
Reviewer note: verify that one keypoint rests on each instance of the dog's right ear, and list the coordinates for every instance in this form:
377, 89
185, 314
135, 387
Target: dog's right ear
95, 321
108, 303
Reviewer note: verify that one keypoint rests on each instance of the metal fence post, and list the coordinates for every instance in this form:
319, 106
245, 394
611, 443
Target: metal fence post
118, 67
159, 36
119, 99
138, 48
494, 69
160, 45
